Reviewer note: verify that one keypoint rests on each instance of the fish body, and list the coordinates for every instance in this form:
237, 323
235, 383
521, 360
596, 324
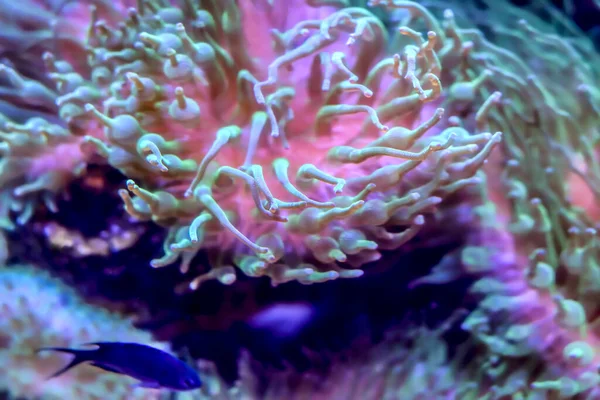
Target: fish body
154, 368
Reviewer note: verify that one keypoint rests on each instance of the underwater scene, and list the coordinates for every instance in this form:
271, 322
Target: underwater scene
299, 199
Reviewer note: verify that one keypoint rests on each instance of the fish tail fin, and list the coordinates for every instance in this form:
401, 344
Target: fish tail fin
80, 356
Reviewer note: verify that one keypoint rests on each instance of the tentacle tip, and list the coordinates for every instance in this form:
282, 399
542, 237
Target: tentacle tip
227, 279
131, 184
448, 13
357, 273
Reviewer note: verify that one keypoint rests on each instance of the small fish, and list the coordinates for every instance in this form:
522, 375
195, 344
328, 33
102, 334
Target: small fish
154, 368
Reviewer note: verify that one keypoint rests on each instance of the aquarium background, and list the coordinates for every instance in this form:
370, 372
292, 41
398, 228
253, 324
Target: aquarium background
427, 181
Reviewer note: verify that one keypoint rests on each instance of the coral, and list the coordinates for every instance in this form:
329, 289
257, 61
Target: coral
40, 311
409, 364
38, 160
298, 140
536, 252
293, 148
39, 155
413, 364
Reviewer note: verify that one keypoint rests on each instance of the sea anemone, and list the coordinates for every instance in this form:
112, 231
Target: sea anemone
297, 147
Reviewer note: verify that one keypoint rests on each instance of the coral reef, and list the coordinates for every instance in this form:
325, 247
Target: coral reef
299, 141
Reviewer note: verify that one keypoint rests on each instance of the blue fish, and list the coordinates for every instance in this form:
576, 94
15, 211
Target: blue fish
154, 368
